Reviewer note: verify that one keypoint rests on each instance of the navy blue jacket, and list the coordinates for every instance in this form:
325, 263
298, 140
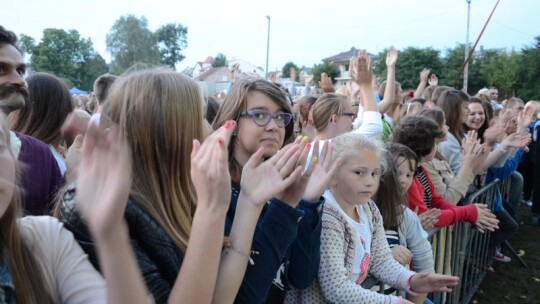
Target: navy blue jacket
284, 236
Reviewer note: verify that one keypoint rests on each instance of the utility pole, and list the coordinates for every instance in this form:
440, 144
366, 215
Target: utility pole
268, 46
466, 71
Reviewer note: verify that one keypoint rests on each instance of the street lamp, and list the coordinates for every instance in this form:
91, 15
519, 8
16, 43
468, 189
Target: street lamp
466, 71
267, 46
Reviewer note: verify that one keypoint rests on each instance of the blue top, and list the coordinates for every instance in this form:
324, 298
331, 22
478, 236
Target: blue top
288, 242
503, 173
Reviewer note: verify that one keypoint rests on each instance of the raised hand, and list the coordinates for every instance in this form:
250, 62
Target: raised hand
424, 74
364, 72
104, 178
323, 169
516, 140
402, 254
292, 71
262, 180
429, 218
486, 221
433, 80
525, 118
308, 80
210, 171
492, 134
391, 57
326, 84
425, 282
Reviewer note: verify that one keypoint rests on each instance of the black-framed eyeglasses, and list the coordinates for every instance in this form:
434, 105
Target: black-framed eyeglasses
262, 118
350, 114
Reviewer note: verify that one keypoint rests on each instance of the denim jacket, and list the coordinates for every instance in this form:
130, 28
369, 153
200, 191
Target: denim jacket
288, 242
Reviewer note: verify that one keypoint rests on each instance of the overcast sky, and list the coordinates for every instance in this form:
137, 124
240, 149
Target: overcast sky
302, 31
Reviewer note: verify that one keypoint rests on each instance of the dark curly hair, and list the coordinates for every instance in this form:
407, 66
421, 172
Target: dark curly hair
418, 133
9, 37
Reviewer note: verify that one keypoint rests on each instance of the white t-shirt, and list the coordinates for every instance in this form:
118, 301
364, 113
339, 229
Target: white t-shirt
362, 252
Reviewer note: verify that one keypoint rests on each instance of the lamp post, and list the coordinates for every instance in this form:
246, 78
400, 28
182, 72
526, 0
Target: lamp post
267, 46
466, 70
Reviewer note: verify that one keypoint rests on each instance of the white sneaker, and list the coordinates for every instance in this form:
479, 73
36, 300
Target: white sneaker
498, 256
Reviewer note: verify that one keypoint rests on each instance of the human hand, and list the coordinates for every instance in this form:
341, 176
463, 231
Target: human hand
433, 80
424, 74
323, 169
492, 134
326, 84
292, 71
75, 123
364, 72
104, 177
425, 282
353, 89
210, 169
262, 180
308, 80
525, 118
486, 221
391, 57
472, 151
402, 254
73, 158
429, 218
516, 140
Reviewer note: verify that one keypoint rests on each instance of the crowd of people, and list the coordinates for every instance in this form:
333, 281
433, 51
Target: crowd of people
152, 191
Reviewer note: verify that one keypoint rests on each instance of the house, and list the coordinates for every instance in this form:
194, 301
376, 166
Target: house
342, 61
247, 68
216, 79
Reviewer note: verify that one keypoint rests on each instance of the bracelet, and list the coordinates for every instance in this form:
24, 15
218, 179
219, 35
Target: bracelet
229, 247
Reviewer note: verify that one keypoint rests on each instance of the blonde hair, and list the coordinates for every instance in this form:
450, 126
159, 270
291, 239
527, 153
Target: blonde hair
160, 113
349, 145
327, 105
25, 270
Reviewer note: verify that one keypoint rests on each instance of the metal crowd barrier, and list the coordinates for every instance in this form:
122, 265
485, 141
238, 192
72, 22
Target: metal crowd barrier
462, 251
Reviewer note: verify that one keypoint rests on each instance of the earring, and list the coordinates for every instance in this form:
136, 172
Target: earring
234, 134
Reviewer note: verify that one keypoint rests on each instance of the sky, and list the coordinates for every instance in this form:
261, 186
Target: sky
301, 31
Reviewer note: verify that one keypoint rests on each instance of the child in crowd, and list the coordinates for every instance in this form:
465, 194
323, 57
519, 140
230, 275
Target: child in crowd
404, 233
353, 242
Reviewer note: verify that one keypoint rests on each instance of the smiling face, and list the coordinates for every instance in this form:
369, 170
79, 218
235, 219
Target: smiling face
476, 116
7, 171
357, 179
250, 137
13, 88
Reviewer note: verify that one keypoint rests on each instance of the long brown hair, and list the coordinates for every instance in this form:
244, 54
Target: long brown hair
236, 102
24, 269
450, 102
160, 113
46, 109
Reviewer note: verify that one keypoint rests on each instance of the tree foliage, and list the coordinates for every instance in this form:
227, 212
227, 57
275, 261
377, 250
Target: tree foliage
411, 61
67, 55
452, 63
528, 74
501, 71
172, 39
131, 42
325, 67
219, 61
286, 70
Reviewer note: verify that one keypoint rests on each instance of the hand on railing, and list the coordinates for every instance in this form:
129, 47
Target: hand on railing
424, 282
429, 218
486, 221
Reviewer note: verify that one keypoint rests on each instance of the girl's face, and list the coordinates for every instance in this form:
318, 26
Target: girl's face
7, 173
250, 136
357, 179
476, 116
464, 111
405, 174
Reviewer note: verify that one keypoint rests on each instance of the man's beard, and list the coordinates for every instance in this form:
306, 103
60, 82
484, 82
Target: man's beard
12, 98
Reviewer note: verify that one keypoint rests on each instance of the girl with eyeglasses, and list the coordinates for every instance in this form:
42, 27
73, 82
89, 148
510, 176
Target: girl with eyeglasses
285, 250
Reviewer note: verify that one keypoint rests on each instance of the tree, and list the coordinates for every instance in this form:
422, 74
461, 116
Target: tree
130, 41
172, 39
27, 43
67, 55
501, 70
325, 67
411, 61
286, 70
528, 75
219, 61
452, 63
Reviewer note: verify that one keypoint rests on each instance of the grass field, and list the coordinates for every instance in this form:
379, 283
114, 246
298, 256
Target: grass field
511, 282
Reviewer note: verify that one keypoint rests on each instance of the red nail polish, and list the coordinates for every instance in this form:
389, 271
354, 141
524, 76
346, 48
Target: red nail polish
308, 145
220, 141
227, 125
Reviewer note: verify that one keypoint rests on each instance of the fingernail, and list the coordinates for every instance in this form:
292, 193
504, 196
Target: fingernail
227, 124
220, 141
299, 137
306, 138
314, 159
308, 145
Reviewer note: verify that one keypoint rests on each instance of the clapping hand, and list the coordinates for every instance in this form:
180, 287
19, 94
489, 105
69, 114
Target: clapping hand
104, 180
